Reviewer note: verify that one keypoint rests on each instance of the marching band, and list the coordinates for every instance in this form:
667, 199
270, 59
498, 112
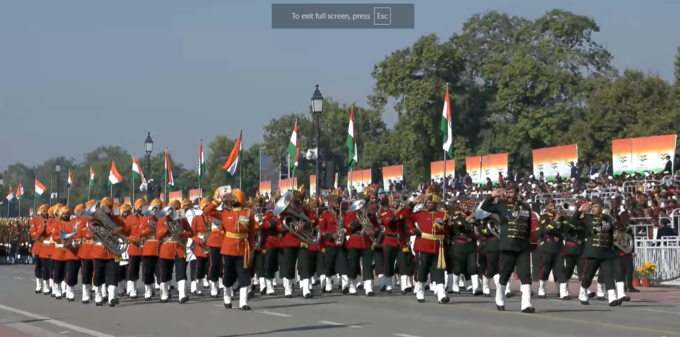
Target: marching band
232, 245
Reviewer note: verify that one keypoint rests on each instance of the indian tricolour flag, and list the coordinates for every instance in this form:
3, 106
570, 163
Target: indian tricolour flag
353, 154
137, 173
234, 157
293, 150
71, 180
92, 176
169, 180
20, 192
114, 176
201, 163
446, 127
10, 195
39, 188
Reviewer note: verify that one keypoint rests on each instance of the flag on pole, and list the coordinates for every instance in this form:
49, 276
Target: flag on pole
39, 188
114, 176
168, 170
10, 195
293, 150
137, 173
71, 180
20, 192
92, 175
201, 163
234, 157
446, 127
353, 155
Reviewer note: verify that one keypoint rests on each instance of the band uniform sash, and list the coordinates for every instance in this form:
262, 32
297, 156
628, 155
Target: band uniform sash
441, 260
242, 236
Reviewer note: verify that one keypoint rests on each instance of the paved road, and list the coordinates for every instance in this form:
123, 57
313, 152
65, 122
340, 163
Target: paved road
24, 314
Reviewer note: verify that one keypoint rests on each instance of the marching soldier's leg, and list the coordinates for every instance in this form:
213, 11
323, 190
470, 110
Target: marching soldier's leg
482, 264
353, 259
229, 277
390, 259
303, 268
600, 286
157, 274
507, 267
181, 278
608, 279
148, 268
311, 255
288, 270
243, 276
45, 275
342, 268
72, 269
112, 277
590, 267
460, 261
59, 275
570, 263
133, 275
422, 271
214, 270
379, 267
406, 263
271, 265
330, 255
627, 261
258, 266
451, 280
166, 267
473, 271
38, 272
547, 262
193, 269
523, 270
201, 267
321, 269
367, 265
492, 269
437, 277
619, 277
558, 275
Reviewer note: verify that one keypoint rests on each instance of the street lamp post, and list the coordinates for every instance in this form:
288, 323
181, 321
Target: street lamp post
317, 109
57, 169
148, 148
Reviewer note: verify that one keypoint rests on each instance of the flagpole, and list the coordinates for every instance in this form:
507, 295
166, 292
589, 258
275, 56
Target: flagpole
111, 191
240, 168
68, 194
34, 199
444, 184
351, 177
89, 189
19, 207
51, 174
200, 167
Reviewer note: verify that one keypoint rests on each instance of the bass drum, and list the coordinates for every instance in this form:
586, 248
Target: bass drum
534, 228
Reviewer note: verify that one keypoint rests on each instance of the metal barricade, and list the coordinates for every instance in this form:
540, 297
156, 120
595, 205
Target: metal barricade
664, 253
670, 180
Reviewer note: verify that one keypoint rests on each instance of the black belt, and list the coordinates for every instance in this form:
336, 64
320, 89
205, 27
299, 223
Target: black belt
394, 236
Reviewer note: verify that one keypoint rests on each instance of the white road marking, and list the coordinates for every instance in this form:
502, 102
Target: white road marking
55, 322
273, 313
339, 324
18, 278
404, 335
64, 332
661, 311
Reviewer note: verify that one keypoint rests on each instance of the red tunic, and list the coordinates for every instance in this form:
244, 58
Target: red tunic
328, 226
435, 231
273, 237
86, 239
71, 253
38, 233
239, 227
48, 243
150, 242
356, 240
170, 247
58, 252
289, 240
133, 222
199, 228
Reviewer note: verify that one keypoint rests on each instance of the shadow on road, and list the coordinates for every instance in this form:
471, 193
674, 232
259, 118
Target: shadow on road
301, 328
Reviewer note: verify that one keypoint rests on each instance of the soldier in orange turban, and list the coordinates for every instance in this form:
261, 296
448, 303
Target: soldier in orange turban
172, 254
39, 235
133, 221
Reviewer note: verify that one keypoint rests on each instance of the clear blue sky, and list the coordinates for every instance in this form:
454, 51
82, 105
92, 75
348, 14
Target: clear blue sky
75, 75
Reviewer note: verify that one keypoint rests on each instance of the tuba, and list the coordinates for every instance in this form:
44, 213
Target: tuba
622, 240
292, 218
568, 208
366, 224
101, 227
492, 221
173, 224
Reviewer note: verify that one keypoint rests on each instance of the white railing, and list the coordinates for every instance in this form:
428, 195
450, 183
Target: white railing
664, 253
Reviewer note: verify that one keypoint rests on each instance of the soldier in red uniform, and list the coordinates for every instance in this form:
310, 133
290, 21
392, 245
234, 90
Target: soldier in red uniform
272, 245
200, 227
59, 252
38, 234
431, 228
150, 249
296, 252
86, 262
239, 227
214, 244
71, 255
257, 205
172, 254
335, 255
396, 250
106, 262
316, 258
360, 246
135, 252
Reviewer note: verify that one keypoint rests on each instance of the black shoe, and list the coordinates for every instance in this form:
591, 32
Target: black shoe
309, 295
53, 295
99, 304
600, 298
85, 302
633, 290
214, 296
541, 296
38, 291
529, 310
566, 298
615, 303
510, 295
383, 289
70, 299
591, 295
585, 302
113, 302
165, 301
371, 294
500, 307
245, 307
345, 291
227, 305
263, 291
389, 291
624, 299
444, 300
487, 295
477, 293
148, 298
421, 300
58, 297
184, 300
289, 296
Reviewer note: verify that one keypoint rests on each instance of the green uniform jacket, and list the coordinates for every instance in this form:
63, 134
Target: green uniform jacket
574, 236
515, 223
464, 237
599, 232
549, 233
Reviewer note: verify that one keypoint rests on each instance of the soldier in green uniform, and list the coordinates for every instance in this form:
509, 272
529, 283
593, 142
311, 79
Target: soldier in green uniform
549, 235
465, 250
623, 247
455, 216
515, 235
488, 254
598, 250
574, 238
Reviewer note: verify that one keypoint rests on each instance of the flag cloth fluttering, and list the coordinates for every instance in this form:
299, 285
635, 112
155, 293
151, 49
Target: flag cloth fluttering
114, 176
446, 127
39, 188
234, 157
10, 195
201, 163
71, 180
20, 192
168, 170
137, 173
92, 175
353, 153
293, 150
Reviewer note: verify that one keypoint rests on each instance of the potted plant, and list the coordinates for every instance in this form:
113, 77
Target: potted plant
636, 278
646, 273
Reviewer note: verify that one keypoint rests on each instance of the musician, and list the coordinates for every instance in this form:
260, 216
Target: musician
71, 250
39, 235
48, 247
396, 250
150, 250
360, 246
133, 219
296, 251
574, 237
172, 254
239, 227
488, 257
86, 262
431, 228
335, 253
200, 227
106, 262
464, 240
59, 251
317, 265
515, 226
257, 205
598, 250
273, 246
549, 234
619, 257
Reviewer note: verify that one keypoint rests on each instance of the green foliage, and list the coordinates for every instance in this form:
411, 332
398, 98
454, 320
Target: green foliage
515, 85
